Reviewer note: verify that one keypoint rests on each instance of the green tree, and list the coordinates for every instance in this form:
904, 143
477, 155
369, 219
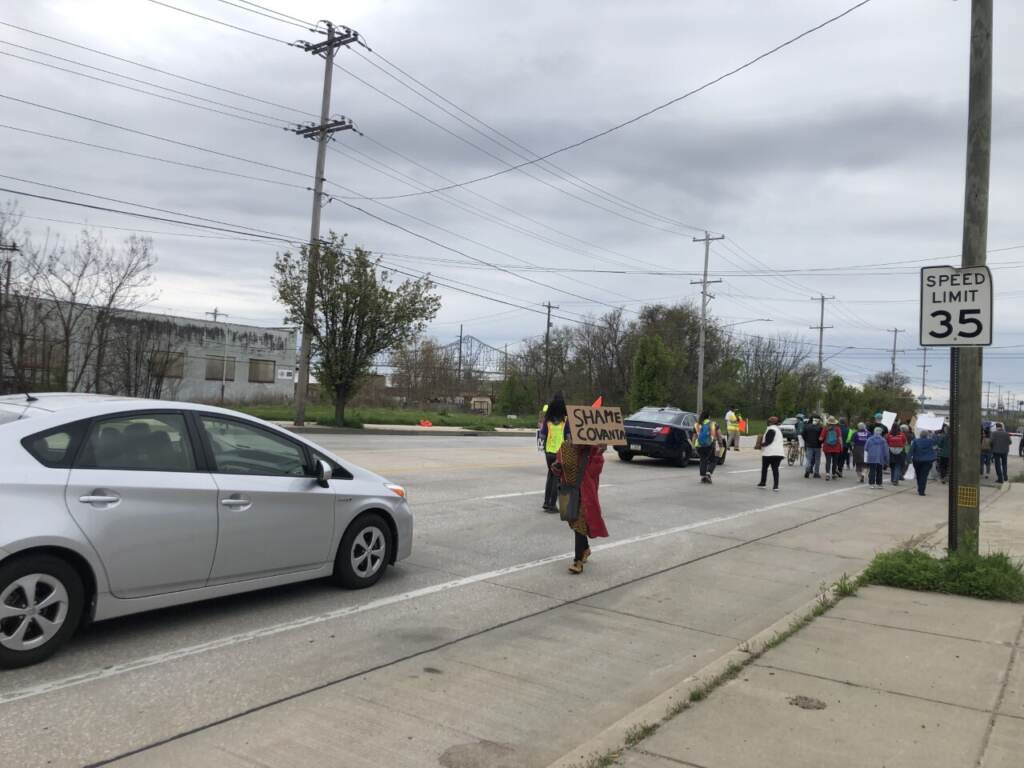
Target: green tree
515, 396
787, 395
358, 315
652, 373
883, 392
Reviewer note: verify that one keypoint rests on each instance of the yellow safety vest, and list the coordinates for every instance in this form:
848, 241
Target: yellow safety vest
556, 436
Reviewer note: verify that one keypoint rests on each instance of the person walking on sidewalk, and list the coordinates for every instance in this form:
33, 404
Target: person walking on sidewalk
812, 447
705, 440
860, 438
908, 433
986, 452
897, 442
832, 446
772, 451
1000, 442
876, 451
943, 448
579, 467
846, 457
553, 431
922, 453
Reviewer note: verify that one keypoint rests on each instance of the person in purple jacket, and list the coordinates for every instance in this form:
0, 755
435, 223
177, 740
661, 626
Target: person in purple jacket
858, 441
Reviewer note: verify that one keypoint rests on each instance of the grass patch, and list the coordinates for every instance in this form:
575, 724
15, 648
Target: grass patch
639, 732
990, 577
845, 586
357, 417
701, 692
607, 760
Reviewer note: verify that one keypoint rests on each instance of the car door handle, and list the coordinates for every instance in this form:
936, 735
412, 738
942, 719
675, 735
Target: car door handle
99, 499
235, 502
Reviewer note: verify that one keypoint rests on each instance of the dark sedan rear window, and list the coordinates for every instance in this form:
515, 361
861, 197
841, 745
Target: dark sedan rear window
658, 417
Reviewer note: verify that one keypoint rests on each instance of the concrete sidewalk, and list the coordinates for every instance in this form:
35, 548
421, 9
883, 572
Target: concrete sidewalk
886, 678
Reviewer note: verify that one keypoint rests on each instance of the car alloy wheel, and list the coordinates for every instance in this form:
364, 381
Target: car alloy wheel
33, 608
368, 553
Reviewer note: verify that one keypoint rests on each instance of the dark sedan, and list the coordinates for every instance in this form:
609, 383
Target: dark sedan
661, 433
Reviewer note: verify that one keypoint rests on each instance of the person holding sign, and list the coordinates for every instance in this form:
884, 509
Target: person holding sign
579, 466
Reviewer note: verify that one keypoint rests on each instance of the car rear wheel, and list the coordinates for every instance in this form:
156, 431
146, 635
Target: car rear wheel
364, 553
41, 602
625, 455
683, 459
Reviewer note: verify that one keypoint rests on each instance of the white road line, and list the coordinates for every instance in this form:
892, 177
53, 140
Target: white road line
525, 493
383, 602
741, 471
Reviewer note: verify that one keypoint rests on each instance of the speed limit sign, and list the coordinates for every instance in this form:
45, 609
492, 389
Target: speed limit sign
956, 307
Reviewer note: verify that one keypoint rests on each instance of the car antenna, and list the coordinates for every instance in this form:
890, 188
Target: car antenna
29, 398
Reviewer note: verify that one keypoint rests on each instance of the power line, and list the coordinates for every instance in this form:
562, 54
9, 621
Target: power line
218, 21
139, 80
645, 114
268, 16
155, 158
154, 136
156, 69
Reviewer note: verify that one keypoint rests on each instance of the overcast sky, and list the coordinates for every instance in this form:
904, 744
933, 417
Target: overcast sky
842, 151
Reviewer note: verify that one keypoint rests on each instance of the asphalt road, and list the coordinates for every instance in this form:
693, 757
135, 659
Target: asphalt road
485, 557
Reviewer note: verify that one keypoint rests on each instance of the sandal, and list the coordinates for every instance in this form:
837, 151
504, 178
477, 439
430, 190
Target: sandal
576, 567
586, 555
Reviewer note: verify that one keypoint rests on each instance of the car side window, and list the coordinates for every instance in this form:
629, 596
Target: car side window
244, 449
54, 448
155, 442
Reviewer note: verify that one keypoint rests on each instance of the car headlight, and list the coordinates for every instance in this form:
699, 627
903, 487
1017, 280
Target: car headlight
397, 490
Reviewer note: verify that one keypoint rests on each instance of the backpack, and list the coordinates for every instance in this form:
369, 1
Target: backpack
704, 436
830, 438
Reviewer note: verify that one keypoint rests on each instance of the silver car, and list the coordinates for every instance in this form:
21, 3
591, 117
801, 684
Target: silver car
111, 506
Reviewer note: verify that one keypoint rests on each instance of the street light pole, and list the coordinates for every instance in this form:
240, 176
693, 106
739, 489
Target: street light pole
704, 295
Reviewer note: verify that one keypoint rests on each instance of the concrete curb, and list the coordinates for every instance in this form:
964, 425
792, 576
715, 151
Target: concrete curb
613, 738
372, 429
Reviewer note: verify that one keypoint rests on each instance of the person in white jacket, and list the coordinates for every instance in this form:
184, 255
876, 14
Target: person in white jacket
773, 449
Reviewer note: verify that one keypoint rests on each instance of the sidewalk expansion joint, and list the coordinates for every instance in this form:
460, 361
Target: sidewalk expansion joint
668, 759
863, 687
1001, 644
1000, 696
673, 624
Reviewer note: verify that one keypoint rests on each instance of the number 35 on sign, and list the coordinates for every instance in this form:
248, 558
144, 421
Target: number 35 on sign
956, 307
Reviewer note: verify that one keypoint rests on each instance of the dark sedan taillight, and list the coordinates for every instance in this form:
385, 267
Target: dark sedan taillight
665, 431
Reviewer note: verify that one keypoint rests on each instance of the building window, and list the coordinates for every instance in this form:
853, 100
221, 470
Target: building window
215, 369
261, 371
167, 365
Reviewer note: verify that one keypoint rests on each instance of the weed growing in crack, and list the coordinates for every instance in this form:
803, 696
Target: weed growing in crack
639, 732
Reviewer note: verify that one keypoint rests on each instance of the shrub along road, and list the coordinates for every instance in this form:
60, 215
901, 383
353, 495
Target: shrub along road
480, 649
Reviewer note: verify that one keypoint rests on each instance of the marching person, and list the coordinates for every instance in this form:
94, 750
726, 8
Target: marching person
876, 451
579, 466
986, 451
846, 458
705, 440
860, 438
832, 446
897, 443
943, 449
922, 453
1000, 442
732, 428
772, 451
553, 431
812, 447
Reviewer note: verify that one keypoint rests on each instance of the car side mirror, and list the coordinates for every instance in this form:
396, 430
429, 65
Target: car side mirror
323, 473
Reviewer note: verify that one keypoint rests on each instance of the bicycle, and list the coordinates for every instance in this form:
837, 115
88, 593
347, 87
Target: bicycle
794, 452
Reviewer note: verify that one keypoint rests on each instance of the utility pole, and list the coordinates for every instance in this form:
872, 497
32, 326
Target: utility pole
547, 347
5, 301
821, 328
460, 356
924, 371
322, 134
704, 296
965, 362
895, 332
224, 358
988, 397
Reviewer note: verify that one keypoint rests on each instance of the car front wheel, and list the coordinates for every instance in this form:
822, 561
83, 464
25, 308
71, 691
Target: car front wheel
625, 455
364, 553
41, 602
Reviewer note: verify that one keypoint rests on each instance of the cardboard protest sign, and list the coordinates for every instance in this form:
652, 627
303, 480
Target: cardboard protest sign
600, 425
888, 419
928, 421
